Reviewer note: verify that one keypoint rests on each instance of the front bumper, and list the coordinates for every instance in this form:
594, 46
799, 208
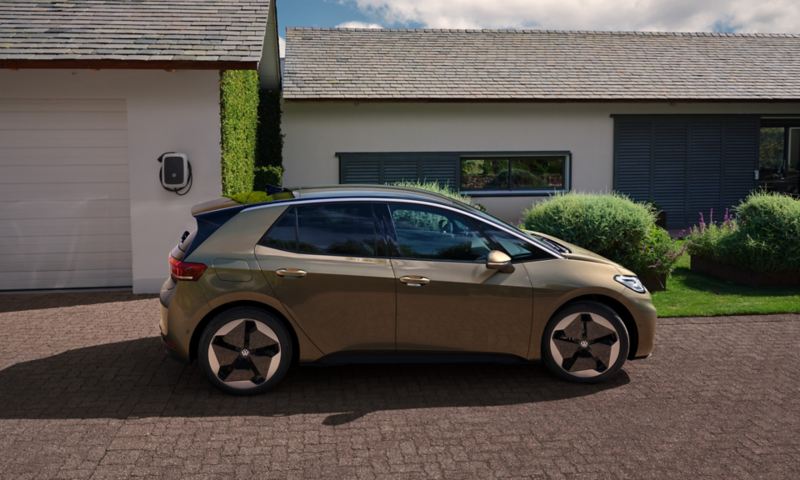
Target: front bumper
645, 316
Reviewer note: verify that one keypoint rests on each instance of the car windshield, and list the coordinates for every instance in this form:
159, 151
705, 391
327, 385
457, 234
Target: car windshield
540, 241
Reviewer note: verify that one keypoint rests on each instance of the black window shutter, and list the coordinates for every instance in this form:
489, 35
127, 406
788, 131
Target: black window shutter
382, 168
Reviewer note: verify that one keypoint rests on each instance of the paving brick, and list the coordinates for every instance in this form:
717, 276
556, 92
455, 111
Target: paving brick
87, 392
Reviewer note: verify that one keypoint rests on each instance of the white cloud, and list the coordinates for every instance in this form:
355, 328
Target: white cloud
355, 24
672, 15
282, 46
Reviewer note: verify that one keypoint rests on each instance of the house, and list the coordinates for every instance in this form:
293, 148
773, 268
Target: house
689, 121
92, 93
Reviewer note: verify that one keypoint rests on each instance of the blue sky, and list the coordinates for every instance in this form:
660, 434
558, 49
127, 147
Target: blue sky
648, 15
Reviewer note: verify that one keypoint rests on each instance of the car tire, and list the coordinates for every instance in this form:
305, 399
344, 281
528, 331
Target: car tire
245, 351
586, 342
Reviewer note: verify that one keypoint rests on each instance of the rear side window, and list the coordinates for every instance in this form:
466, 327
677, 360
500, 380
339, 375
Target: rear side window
344, 229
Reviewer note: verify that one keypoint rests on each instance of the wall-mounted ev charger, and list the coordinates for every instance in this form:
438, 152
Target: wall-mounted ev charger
175, 173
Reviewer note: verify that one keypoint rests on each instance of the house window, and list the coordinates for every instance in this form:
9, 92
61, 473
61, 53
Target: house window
779, 159
540, 173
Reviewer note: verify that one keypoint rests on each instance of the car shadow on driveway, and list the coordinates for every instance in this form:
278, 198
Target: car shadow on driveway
136, 379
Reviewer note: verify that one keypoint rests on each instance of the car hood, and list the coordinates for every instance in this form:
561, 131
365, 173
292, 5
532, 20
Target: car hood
580, 253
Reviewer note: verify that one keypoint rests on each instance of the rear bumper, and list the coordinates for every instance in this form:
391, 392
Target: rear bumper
175, 345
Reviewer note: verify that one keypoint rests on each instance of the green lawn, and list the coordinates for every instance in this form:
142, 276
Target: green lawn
689, 294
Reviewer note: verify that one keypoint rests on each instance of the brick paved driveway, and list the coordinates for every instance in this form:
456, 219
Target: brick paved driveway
86, 392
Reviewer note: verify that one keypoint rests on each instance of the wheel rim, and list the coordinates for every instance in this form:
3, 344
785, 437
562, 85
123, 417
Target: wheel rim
244, 353
585, 345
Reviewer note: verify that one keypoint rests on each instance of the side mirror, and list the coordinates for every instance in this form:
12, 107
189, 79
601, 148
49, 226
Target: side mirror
499, 261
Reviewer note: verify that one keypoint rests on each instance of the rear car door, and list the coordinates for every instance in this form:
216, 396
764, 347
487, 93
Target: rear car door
446, 297
327, 263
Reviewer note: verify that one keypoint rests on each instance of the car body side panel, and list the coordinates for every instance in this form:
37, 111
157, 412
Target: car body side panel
557, 281
466, 307
233, 276
342, 303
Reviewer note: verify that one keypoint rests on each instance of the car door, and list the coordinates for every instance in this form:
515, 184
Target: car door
447, 299
327, 263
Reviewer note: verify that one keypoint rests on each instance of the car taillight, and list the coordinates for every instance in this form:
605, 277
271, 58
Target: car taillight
185, 270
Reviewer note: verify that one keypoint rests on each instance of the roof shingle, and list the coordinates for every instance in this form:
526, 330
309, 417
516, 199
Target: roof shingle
539, 65
133, 30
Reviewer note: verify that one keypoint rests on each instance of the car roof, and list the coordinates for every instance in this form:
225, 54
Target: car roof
378, 192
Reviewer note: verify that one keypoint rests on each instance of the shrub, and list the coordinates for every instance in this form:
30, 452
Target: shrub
610, 225
268, 175
269, 143
763, 237
239, 119
436, 187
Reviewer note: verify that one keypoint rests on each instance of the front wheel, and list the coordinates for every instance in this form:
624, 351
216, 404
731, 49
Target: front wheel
586, 342
245, 351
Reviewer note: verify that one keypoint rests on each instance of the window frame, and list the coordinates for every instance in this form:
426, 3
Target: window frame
481, 224
381, 239
510, 157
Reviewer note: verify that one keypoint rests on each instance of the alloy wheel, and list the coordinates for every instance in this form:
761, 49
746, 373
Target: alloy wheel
585, 345
244, 353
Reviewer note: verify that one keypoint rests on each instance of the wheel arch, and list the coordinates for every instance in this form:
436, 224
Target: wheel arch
619, 309
198, 331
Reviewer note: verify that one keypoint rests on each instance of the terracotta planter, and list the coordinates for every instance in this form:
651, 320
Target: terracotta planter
742, 276
654, 282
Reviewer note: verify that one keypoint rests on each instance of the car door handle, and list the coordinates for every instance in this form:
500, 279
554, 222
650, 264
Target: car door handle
415, 280
290, 272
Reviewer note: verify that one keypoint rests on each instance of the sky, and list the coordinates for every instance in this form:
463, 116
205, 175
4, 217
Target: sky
762, 16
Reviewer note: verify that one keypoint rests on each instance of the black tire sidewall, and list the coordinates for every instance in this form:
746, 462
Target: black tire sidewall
588, 307
239, 313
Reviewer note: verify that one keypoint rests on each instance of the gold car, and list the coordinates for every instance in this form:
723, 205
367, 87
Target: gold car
350, 273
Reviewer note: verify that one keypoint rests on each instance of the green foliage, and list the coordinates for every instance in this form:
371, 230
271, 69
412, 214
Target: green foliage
763, 237
267, 175
691, 294
436, 187
239, 118
610, 225
258, 197
252, 142
269, 144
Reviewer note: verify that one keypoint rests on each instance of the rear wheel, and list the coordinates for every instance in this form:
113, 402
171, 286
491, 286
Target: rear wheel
245, 351
586, 342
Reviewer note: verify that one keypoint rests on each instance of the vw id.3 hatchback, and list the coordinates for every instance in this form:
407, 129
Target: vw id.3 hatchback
348, 273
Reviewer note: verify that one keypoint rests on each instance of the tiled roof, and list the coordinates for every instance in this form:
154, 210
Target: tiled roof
539, 65
163, 31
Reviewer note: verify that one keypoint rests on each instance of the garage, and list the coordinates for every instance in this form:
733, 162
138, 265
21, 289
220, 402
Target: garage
64, 201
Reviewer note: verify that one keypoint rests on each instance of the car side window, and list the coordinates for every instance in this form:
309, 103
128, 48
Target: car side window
431, 233
515, 247
344, 229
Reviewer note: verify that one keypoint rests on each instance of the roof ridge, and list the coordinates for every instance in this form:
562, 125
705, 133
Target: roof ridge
551, 31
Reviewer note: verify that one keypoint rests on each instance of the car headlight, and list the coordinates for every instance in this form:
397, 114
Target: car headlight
632, 282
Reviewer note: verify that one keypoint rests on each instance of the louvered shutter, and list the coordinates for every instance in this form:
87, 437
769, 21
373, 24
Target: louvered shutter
383, 168
686, 164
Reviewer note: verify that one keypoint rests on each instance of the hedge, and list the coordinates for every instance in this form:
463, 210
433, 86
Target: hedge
762, 237
239, 118
252, 141
610, 225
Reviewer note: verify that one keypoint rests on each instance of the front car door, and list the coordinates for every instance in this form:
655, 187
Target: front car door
327, 263
447, 300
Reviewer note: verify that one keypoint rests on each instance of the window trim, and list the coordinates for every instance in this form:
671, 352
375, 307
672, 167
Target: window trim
381, 242
482, 224
518, 192
498, 225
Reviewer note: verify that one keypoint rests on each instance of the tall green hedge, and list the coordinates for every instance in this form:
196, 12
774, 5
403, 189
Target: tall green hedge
269, 142
239, 112
252, 142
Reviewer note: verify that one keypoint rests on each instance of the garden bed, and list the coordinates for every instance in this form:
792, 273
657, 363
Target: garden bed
743, 276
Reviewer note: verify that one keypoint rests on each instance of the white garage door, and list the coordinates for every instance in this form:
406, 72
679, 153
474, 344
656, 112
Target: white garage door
64, 209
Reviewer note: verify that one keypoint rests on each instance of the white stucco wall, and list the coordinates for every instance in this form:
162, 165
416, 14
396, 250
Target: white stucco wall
316, 131
166, 111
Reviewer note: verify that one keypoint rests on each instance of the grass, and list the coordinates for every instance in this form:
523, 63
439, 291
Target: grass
690, 294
